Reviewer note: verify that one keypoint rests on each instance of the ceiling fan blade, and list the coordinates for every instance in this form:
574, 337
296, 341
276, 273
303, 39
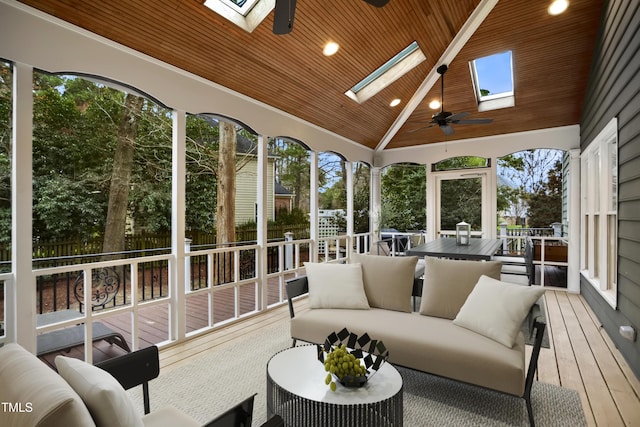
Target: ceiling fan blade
283, 16
448, 130
473, 121
457, 116
377, 3
423, 127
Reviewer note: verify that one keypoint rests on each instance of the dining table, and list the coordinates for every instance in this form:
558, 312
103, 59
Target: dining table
478, 249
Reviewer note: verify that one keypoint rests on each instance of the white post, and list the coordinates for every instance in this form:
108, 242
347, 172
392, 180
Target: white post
261, 256
503, 236
288, 251
573, 255
177, 270
375, 205
350, 226
187, 265
313, 203
21, 292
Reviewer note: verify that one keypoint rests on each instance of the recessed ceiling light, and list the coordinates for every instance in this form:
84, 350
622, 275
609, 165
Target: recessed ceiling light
558, 6
434, 105
330, 48
394, 102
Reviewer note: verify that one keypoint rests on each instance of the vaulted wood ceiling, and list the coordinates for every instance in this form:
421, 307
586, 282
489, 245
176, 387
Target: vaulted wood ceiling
551, 56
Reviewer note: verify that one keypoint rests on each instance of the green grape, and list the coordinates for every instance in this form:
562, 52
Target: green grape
328, 379
332, 386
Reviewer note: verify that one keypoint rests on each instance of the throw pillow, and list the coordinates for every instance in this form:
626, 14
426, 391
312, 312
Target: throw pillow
388, 281
497, 309
107, 401
448, 283
335, 286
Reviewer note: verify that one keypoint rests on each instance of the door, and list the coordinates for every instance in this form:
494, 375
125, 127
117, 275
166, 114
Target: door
462, 196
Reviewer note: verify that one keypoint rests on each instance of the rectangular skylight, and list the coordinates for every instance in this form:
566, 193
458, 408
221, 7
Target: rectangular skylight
493, 81
387, 73
243, 7
247, 14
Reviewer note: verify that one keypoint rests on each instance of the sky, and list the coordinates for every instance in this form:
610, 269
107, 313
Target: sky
494, 72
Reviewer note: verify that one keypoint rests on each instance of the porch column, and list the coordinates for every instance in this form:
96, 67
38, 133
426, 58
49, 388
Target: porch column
349, 186
375, 197
261, 255
313, 204
177, 312
573, 255
21, 294
432, 218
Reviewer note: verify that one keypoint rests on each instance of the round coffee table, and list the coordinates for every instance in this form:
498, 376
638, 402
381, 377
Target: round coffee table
297, 392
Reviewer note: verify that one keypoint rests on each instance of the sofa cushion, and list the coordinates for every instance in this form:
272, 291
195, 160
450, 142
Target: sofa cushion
107, 401
425, 343
448, 283
336, 286
168, 416
388, 281
497, 309
27, 380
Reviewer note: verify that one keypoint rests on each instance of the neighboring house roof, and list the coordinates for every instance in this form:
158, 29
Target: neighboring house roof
280, 190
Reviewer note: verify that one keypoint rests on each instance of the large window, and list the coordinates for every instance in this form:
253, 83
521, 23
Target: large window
599, 211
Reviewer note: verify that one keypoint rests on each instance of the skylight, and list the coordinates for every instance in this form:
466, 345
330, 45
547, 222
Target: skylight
247, 14
493, 81
387, 73
243, 7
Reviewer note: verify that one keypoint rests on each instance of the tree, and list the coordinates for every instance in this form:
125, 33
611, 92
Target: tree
545, 204
114, 232
225, 213
404, 197
292, 169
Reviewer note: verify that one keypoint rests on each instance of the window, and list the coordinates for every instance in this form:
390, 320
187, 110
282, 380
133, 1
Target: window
492, 78
599, 176
400, 64
246, 14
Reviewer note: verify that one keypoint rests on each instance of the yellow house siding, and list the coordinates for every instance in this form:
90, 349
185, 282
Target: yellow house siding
247, 192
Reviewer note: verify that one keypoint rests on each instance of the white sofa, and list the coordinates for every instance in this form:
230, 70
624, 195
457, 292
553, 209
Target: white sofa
453, 334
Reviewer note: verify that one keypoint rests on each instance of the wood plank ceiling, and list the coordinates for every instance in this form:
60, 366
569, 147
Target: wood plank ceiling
551, 56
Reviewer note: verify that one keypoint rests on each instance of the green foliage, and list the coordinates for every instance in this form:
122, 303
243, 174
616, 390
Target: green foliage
461, 162
65, 209
403, 197
461, 200
545, 204
294, 217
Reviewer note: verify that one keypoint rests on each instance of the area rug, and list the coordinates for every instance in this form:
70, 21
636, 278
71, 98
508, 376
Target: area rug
224, 376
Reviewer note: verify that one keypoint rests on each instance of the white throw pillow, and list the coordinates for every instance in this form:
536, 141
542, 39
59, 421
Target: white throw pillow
497, 309
336, 286
448, 283
107, 401
388, 281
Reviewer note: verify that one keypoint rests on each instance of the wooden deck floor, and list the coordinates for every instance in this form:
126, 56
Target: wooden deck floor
581, 356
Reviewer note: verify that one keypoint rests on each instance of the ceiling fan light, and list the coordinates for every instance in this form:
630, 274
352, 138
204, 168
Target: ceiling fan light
558, 6
434, 105
330, 48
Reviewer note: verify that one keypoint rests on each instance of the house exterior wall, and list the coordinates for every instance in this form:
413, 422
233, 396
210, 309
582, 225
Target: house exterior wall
614, 91
247, 192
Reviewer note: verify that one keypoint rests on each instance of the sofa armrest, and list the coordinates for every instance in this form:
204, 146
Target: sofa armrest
537, 325
295, 288
132, 369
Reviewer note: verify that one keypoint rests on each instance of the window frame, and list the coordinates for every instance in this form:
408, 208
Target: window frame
599, 212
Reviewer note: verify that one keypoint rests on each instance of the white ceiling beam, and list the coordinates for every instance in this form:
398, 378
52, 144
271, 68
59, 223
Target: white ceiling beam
468, 29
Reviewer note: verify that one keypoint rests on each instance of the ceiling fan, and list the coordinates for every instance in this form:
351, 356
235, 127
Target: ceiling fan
444, 119
285, 11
